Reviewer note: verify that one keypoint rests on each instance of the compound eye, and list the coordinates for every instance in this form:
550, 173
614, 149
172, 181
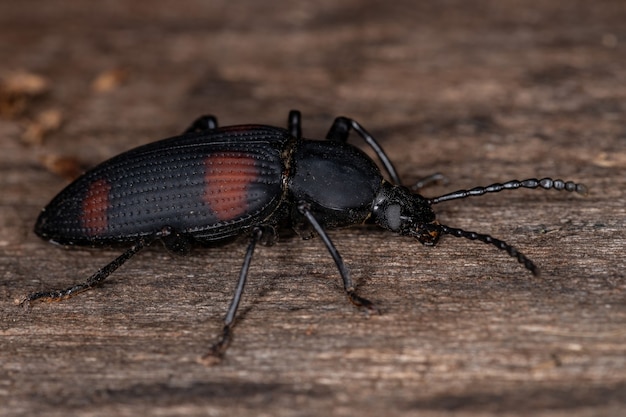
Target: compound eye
392, 215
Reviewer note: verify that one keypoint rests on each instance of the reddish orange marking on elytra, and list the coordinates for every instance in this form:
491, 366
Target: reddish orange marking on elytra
226, 184
94, 208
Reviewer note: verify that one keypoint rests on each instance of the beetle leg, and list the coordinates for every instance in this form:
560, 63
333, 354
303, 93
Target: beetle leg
218, 349
341, 266
294, 122
95, 279
430, 179
202, 124
175, 241
339, 132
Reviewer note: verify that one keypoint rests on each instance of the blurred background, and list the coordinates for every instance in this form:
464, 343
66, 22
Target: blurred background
480, 90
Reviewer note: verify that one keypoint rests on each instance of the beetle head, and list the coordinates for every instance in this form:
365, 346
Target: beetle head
399, 210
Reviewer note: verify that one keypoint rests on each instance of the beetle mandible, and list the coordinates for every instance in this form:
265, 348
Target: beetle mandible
212, 184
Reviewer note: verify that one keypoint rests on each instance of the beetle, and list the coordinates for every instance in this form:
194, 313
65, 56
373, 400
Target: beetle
212, 184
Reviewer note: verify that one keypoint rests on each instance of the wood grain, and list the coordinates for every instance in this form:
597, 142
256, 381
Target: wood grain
481, 91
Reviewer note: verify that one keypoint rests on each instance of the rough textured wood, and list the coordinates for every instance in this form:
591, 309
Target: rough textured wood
481, 91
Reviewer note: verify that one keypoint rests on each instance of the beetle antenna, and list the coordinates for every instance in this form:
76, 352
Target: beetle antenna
545, 183
492, 241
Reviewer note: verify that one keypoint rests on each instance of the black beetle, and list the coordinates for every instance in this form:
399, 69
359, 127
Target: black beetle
212, 184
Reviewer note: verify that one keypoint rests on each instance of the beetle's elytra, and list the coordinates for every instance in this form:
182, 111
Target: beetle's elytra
211, 184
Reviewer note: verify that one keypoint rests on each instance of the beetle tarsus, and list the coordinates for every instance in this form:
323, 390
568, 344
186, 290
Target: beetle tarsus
428, 180
218, 350
94, 280
361, 302
55, 295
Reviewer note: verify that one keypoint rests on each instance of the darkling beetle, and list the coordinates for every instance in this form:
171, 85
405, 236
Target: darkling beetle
212, 184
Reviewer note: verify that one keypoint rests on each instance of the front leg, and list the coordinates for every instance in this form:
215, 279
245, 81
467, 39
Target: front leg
339, 132
348, 286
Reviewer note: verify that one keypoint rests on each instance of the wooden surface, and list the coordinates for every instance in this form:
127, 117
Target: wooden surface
482, 91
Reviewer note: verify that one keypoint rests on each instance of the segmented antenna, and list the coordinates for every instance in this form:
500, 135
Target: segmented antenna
492, 241
546, 183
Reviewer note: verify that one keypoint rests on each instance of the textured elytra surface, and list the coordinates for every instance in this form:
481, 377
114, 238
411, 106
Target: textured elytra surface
206, 185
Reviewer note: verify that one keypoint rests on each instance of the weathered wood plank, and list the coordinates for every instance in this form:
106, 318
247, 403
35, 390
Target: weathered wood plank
482, 91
